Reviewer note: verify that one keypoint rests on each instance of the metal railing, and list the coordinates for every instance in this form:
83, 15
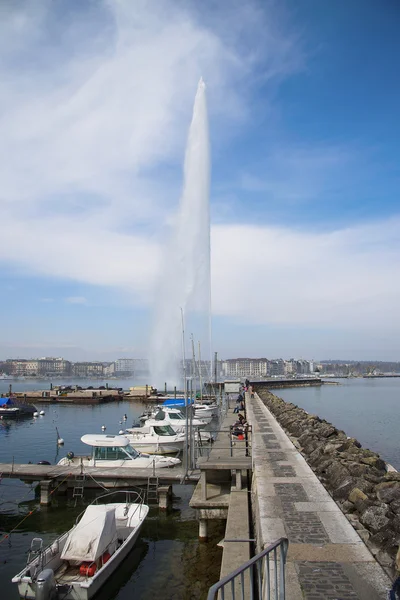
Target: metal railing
236, 445
265, 575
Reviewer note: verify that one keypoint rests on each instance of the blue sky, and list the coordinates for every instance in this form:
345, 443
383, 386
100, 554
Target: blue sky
303, 98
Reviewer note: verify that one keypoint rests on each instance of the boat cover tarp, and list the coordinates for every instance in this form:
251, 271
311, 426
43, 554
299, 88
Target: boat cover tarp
6, 402
89, 539
177, 402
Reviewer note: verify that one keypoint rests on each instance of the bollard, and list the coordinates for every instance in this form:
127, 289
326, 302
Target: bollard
45, 492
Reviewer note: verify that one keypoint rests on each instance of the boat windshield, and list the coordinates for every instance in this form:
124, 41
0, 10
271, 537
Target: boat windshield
131, 451
176, 416
115, 453
164, 430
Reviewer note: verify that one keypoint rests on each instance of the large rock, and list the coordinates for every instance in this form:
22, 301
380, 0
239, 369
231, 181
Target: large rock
388, 491
374, 461
357, 495
374, 518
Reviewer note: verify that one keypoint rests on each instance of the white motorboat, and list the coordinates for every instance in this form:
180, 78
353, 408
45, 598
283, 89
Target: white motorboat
156, 437
81, 560
174, 416
116, 451
205, 411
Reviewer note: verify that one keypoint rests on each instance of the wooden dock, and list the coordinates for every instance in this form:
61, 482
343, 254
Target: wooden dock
62, 477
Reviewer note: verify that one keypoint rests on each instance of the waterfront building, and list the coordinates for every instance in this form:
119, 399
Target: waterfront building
87, 369
124, 367
50, 367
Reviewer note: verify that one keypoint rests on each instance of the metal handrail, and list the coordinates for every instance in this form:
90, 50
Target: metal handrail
260, 585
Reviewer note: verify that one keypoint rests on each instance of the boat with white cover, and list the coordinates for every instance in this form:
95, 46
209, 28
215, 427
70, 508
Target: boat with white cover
116, 451
156, 437
80, 561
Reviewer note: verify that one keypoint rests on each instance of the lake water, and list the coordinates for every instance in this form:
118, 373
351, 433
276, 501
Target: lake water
367, 409
167, 556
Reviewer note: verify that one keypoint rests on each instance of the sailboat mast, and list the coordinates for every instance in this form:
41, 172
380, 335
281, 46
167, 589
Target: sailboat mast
200, 377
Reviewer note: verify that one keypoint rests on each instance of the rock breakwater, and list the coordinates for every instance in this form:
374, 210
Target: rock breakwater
357, 478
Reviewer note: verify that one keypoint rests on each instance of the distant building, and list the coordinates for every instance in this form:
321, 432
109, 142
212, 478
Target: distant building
53, 366
109, 370
87, 369
124, 367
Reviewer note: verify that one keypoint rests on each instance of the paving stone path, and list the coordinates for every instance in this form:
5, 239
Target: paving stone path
327, 560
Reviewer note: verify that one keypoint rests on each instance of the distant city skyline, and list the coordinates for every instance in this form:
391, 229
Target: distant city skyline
305, 221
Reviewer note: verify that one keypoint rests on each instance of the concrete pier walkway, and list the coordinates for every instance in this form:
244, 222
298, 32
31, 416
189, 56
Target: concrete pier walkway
327, 559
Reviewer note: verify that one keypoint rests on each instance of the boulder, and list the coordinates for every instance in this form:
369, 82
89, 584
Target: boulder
337, 474
374, 518
357, 495
356, 469
374, 461
397, 562
395, 507
388, 491
348, 507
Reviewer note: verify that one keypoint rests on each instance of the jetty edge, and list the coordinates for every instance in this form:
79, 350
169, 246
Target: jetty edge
365, 488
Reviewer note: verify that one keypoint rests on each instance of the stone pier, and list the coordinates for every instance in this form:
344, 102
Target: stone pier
327, 559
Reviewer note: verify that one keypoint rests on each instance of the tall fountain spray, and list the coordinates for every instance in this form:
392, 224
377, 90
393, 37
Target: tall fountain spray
184, 285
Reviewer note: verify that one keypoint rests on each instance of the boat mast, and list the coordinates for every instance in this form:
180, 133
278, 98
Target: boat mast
200, 377
185, 454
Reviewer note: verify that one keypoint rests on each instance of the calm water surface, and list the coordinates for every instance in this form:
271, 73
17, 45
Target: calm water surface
167, 556
367, 409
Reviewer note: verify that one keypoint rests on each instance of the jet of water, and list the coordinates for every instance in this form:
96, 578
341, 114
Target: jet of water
185, 277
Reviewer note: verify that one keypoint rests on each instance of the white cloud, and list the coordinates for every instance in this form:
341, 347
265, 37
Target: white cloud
94, 115
76, 300
94, 109
348, 278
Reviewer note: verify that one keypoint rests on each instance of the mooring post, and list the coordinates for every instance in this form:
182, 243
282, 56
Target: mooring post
147, 390
164, 497
165, 387
175, 392
203, 530
45, 492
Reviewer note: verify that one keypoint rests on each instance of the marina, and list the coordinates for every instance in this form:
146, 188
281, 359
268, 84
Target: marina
251, 476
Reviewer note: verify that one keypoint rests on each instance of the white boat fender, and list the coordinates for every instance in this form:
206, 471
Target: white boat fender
46, 585
55, 548
121, 432
35, 414
42, 413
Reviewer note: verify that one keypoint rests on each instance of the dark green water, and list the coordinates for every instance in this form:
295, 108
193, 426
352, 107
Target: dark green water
167, 559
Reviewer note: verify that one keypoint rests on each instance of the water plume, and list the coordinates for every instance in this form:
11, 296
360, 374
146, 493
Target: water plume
185, 276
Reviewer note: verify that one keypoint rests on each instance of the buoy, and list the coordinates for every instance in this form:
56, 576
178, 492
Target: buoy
35, 414
121, 432
103, 427
42, 413
60, 440
125, 417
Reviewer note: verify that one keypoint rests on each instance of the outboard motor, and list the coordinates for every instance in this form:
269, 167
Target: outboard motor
46, 585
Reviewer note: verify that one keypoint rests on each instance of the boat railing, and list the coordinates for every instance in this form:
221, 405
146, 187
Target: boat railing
261, 577
131, 497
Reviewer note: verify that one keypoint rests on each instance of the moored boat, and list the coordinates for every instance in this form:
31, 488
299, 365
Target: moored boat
81, 560
10, 407
156, 437
174, 416
116, 451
